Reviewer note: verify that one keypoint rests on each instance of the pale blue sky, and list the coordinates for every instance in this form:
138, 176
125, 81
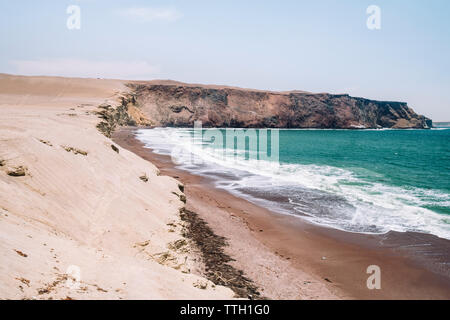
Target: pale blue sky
318, 46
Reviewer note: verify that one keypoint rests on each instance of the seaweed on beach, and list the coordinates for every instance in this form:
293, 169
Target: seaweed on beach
216, 260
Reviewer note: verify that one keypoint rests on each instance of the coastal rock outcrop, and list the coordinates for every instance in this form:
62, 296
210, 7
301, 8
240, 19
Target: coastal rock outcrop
179, 105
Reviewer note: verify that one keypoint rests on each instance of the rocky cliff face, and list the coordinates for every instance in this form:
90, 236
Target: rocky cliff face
180, 105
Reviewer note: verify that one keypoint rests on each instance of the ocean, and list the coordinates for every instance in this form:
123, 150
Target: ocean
365, 181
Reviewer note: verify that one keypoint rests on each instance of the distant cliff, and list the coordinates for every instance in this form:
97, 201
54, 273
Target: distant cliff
180, 105
441, 124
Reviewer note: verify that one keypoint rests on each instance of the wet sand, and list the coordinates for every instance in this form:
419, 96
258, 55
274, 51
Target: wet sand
289, 258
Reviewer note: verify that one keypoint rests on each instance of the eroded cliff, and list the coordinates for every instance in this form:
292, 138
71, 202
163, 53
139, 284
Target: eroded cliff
180, 105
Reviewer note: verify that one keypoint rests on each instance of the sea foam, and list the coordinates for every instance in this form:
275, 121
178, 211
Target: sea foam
322, 194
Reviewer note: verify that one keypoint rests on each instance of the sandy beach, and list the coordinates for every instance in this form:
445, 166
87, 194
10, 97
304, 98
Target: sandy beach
288, 258
85, 216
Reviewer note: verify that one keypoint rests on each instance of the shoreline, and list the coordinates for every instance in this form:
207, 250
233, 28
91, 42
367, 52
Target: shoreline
288, 258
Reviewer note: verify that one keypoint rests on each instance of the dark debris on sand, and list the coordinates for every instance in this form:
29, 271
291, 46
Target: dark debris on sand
216, 260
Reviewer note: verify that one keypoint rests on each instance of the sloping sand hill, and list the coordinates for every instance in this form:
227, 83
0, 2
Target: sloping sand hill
73, 207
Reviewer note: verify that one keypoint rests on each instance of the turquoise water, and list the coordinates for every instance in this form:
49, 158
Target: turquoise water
369, 181
410, 159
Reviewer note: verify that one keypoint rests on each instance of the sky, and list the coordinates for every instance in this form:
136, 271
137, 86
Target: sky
316, 46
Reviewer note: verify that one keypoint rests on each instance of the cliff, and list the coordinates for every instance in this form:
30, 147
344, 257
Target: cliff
176, 104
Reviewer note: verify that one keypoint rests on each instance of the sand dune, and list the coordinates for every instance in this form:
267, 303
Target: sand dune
69, 203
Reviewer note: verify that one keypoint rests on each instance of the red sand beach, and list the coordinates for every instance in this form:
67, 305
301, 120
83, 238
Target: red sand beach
288, 258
